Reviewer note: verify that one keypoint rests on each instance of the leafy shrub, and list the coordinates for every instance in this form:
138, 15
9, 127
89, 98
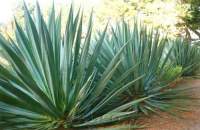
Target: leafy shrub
172, 74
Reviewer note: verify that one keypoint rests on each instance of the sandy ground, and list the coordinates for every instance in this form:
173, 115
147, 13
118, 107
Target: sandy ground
189, 120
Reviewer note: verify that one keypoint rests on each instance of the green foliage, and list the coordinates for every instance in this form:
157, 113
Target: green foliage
185, 55
191, 18
52, 82
145, 54
172, 74
58, 81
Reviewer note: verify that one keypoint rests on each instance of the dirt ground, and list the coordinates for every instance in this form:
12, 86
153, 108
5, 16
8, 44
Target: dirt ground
189, 120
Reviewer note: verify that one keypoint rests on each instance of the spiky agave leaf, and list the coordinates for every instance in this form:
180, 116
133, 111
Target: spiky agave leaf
52, 81
185, 55
145, 54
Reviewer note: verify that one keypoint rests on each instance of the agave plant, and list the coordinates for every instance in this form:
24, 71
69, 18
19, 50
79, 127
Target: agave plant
146, 54
52, 81
186, 55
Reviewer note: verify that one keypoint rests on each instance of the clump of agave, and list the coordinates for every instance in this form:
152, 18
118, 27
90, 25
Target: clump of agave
145, 54
51, 81
61, 81
185, 55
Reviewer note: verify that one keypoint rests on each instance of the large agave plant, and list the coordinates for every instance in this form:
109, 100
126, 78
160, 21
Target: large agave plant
146, 54
186, 55
52, 81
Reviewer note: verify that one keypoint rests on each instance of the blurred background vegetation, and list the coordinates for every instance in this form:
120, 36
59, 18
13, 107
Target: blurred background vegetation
172, 17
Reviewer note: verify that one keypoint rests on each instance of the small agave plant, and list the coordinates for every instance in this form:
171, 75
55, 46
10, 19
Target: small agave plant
186, 55
52, 81
145, 54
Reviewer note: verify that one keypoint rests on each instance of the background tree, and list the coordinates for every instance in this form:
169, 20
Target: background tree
191, 20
